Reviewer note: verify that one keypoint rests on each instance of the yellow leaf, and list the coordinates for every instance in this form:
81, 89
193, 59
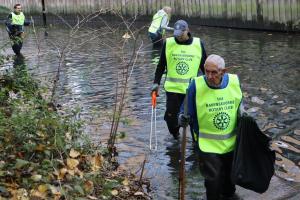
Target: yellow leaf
40, 147
126, 36
78, 172
42, 188
62, 173
71, 172
72, 163
22, 194
36, 193
114, 192
74, 153
88, 186
97, 162
125, 182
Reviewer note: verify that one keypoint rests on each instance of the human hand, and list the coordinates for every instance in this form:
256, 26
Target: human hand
183, 120
155, 88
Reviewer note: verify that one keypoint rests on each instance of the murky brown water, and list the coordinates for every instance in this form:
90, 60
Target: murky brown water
268, 67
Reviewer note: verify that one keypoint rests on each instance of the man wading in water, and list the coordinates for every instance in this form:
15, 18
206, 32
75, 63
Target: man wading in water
15, 27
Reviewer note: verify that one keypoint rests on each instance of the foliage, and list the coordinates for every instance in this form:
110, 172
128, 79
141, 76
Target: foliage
44, 154
4, 10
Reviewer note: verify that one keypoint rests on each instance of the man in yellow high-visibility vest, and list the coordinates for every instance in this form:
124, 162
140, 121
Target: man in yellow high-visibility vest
159, 25
15, 27
183, 58
214, 104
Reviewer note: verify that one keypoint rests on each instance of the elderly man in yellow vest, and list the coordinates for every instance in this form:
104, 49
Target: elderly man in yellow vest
159, 25
15, 27
214, 104
183, 58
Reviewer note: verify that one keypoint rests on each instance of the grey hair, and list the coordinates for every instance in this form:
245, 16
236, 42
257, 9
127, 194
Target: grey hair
218, 60
167, 9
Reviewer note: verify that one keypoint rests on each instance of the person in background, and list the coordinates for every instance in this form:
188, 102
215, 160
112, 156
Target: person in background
159, 25
214, 105
15, 27
183, 58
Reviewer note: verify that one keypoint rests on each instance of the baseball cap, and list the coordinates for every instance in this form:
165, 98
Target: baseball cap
179, 27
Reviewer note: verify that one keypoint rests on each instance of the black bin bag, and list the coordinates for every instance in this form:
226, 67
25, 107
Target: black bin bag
253, 162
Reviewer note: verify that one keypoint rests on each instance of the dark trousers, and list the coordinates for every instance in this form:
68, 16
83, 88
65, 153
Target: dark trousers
156, 39
173, 103
216, 169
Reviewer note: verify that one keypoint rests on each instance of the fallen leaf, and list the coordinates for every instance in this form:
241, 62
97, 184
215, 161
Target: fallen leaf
62, 173
270, 125
96, 162
40, 147
287, 109
78, 172
125, 182
74, 153
68, 136
79, 189
252, 110
22, 194
138, 194
91, 197
126, 36
42, 188
54, 190
88, 186
114, 192
36, 177
263, 89
72, 163
21, 163
37, 194
71, 172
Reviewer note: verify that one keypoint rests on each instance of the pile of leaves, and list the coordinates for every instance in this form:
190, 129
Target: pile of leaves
45, 155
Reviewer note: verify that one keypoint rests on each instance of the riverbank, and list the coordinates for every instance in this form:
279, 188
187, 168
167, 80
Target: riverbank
44, 151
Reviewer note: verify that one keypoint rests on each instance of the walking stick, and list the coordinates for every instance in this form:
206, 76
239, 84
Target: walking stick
182, 157
153, 111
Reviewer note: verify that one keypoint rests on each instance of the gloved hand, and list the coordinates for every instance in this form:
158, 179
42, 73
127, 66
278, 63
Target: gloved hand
183, 120
154, 88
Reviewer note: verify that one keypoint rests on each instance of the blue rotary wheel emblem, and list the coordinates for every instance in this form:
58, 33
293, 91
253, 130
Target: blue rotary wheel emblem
182, 68
221, 120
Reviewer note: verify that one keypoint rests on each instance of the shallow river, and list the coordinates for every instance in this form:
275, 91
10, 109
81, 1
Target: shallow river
268, 65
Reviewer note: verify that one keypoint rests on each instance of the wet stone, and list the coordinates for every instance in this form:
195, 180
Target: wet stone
253, 110
257, 100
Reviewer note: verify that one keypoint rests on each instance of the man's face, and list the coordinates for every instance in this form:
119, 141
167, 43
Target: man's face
183, 37
213, 73
18, 9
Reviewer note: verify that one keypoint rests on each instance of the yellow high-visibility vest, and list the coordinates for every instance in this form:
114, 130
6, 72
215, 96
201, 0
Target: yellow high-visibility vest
217, 115
156, 22
183, 63
18, 19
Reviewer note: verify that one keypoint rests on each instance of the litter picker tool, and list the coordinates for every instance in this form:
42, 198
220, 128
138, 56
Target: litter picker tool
153, 121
